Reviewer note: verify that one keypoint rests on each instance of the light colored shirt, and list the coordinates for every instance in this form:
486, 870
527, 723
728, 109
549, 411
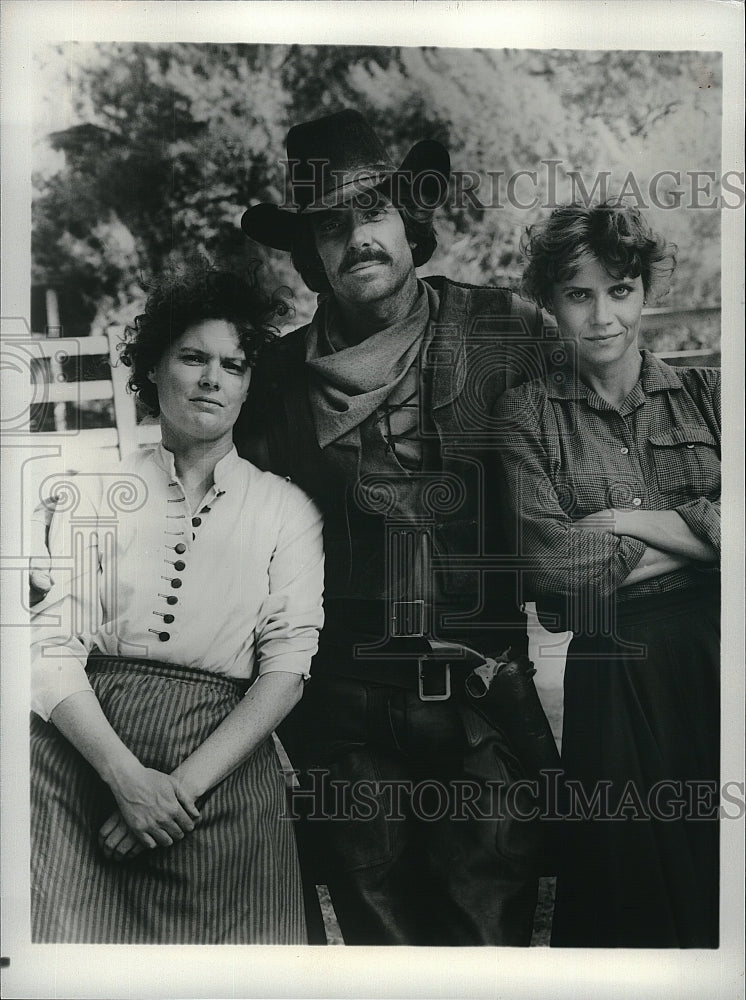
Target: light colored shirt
233, 587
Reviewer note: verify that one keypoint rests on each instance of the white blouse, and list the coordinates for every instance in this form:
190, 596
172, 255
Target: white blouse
233, 587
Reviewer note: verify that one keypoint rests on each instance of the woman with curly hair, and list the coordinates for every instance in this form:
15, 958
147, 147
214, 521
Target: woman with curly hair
180, 642
613, 471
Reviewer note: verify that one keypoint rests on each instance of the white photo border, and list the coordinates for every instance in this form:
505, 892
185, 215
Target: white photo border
236, 972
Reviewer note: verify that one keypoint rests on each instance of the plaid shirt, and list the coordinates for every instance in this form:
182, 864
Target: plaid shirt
567, 453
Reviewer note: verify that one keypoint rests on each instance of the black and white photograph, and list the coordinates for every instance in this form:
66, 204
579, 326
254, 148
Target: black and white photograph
372, 490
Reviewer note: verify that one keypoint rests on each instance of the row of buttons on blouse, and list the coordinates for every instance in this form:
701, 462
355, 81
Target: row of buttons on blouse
636, 501
179, 565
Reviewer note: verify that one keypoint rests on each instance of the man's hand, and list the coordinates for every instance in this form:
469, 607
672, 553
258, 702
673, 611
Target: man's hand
156, 808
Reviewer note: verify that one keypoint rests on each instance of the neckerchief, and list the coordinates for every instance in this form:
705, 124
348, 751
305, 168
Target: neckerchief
348, 384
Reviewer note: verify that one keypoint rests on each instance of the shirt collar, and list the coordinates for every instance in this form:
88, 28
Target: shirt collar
222, 475
655, 376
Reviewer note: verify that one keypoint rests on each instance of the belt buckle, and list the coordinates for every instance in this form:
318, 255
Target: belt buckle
421, 679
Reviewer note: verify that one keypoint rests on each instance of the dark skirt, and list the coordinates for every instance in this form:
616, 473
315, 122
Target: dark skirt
639, 838
233, 880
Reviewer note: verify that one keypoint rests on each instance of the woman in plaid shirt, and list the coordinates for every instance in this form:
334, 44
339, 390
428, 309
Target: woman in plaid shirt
613, 470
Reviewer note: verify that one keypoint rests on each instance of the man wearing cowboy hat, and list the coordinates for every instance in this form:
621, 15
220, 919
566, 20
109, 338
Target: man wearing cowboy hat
413, 806
380, 408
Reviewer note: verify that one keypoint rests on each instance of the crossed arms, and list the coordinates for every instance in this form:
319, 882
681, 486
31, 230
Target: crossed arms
602, 552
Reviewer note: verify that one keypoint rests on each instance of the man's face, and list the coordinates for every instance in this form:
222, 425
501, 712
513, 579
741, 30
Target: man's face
364, 249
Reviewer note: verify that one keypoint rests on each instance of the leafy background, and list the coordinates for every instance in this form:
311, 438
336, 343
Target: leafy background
146, 152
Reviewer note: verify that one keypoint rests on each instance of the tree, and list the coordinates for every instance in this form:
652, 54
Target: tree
172, 142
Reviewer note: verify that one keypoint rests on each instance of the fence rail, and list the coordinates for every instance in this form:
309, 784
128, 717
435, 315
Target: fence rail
127, 433
660, 318
54, 390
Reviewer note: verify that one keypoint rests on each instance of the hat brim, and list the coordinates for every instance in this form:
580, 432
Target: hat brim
270, 225
426, 169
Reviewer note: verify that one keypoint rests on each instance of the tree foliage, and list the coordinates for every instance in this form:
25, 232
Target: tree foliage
171, 142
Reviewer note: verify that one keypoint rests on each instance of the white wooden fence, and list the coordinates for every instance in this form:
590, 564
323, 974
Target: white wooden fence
51, 389
54, 390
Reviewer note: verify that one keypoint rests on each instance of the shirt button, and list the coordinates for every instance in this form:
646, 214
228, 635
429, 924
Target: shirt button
624, 451
164, 636
167, 619
177, 583
173, 599
196, 521
179, 564
180, 548
637, 501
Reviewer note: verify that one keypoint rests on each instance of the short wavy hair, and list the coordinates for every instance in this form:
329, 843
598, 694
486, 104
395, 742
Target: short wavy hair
193, 293
615, 233
419, 229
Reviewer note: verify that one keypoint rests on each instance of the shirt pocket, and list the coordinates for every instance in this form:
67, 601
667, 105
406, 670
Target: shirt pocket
687, 461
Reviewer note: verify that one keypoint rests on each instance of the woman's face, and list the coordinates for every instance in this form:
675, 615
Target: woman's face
600, 313
202, 382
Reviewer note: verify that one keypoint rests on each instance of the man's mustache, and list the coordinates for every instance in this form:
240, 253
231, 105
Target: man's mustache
353, 257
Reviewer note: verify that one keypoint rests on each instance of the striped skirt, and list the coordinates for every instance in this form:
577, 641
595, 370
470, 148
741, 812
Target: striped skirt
233, 880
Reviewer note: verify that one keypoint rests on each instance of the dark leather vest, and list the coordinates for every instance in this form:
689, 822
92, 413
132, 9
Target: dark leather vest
485, 340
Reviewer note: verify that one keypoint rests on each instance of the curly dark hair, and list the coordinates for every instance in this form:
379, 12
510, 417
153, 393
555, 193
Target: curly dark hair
418, 228
189, 294
615, 233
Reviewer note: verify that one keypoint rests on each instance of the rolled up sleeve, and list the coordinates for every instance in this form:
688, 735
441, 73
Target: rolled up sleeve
702, 516
287, 632
64, 622
558, 559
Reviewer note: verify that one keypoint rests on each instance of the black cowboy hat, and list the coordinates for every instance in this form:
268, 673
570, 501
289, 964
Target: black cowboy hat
336, 158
